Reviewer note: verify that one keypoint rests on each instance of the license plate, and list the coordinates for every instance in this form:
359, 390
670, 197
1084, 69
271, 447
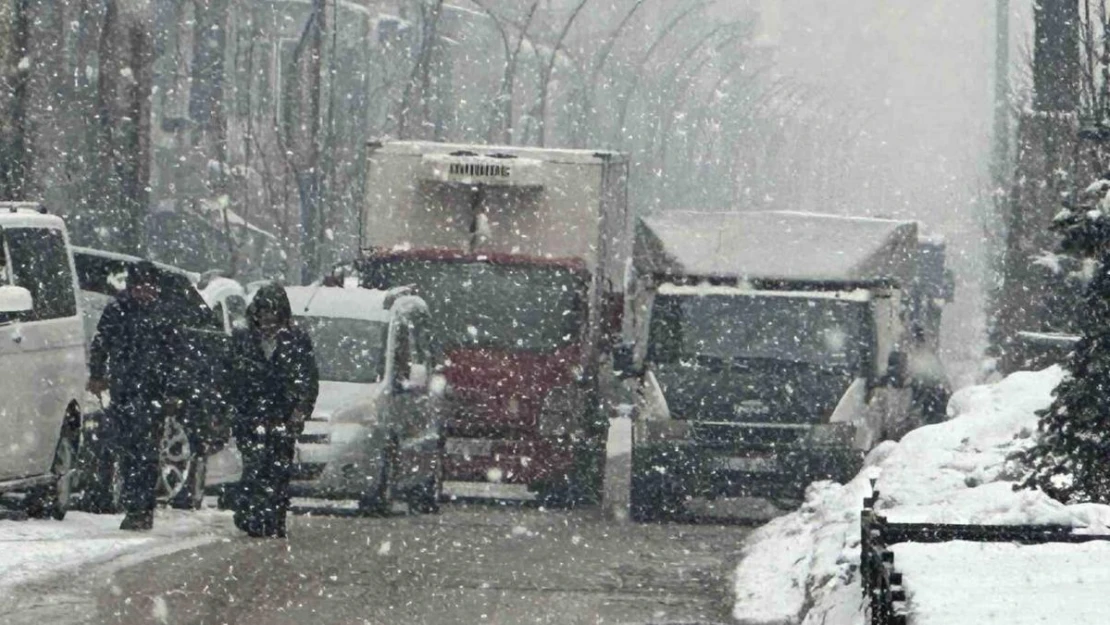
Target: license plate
469, 447
755, 464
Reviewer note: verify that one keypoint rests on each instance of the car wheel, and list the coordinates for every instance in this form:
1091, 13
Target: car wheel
379, 501
426, 498
176, 459
52, 501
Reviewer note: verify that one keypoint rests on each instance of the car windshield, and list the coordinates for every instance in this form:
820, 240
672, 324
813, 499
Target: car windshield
819, 331
347, 350
479, 304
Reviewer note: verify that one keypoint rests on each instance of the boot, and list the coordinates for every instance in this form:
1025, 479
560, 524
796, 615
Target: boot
138, 521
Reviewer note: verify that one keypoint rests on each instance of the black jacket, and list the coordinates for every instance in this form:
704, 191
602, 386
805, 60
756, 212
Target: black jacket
270, 389
133, 349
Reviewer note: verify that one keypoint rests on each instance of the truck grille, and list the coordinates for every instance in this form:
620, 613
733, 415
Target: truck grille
762, 437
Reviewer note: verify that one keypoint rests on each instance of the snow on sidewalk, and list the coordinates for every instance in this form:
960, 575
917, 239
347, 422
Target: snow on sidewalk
964, 582
802, 568
32, 550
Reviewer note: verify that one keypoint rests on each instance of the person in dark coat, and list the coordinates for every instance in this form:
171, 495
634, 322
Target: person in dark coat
278, 384
131, 358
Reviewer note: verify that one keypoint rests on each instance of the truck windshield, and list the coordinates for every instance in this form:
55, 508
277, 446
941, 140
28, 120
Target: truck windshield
347, 350
479, 304
823, 332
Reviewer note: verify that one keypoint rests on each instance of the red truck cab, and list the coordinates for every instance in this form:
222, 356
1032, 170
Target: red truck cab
513, 335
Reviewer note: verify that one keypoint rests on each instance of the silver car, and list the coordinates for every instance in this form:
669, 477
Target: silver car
376, 432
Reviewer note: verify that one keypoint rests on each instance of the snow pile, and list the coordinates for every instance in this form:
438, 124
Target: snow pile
801, 568
31, 550
1052, 583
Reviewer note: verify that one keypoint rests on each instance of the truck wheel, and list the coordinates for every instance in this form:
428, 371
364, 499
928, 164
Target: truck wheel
654, 498
557, 495
425, 498
52, 501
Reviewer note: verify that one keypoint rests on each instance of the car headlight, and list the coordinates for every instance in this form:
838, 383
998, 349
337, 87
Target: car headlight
439, 387
832, 435
559, 414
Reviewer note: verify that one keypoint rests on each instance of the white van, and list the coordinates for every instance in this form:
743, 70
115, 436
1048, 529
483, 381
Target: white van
42, 359
376, 432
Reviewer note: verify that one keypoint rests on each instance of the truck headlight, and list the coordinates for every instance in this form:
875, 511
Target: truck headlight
559, 414
832, 435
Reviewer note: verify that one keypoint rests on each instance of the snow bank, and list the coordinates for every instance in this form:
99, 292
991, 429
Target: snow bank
31, 550
1056, 583
801, 568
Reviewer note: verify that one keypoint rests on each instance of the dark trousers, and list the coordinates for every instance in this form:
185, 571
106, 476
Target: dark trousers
263, 498
141, 423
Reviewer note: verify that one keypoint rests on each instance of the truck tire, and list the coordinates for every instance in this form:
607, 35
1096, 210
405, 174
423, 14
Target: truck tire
654, 497
557, 495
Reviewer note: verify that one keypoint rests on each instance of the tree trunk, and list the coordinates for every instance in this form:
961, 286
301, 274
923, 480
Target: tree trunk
1056, 60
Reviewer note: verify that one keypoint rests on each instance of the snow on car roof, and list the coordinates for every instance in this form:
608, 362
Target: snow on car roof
26, 216
706, 290
420, 148
127, 258
787, 246
311, 301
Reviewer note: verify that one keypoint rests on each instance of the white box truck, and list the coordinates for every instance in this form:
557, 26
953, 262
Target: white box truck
521, 255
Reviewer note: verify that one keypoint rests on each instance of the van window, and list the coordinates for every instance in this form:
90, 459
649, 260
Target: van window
40, 264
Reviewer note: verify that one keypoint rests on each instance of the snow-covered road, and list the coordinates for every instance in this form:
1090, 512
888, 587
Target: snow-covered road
35, 550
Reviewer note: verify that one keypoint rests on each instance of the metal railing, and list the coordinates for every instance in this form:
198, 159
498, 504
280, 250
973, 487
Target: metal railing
882, 583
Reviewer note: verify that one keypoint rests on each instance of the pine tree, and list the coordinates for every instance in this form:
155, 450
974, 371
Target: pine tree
1071, 460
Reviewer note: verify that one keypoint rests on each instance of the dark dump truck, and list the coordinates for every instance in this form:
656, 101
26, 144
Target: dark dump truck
770, 350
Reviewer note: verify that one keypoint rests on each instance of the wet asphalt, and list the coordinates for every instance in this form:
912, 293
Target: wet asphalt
472, 563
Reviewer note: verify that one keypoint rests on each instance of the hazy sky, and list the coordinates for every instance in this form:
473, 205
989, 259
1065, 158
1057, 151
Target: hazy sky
921, 73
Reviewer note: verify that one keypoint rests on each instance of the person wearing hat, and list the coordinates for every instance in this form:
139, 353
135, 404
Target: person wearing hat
130, 357
277, 382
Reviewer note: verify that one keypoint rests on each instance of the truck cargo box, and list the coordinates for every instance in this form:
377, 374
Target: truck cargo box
790, 247
533, 202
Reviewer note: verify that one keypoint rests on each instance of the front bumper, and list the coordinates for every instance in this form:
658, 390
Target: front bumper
336, 461
716, 466
507, 461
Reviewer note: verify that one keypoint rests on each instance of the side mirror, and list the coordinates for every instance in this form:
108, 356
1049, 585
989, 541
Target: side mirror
624, 361
897, 369
15, 299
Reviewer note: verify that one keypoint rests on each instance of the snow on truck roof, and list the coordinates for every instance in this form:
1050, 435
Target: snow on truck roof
429, 148
787, 246
336, 302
